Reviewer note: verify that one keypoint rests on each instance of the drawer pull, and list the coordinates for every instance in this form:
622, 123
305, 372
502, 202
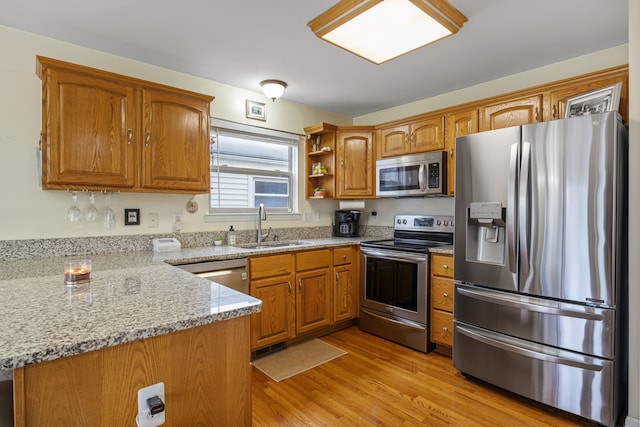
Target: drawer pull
445, 329
445, 295
344, 257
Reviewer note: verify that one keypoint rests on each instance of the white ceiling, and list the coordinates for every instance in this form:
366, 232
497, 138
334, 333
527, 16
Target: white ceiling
241, 42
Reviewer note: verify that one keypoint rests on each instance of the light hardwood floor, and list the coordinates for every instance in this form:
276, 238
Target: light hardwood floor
379, 383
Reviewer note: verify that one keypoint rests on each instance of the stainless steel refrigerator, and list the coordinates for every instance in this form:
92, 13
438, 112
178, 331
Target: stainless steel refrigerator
540, 264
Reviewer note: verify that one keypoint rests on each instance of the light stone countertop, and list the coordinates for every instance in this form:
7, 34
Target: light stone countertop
132, 296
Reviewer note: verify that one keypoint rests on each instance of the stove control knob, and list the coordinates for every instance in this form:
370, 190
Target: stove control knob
438, 222
399, 221
404, 221
446, 223
451, 223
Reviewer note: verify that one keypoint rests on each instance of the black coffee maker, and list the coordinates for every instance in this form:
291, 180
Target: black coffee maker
346, 223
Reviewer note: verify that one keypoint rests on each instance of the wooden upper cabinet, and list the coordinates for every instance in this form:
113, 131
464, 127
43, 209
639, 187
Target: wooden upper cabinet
356, 163
427, 135
88, 131
511, 112
175, 156
559, 96
457, 124
104, 131
394, 141
416, 137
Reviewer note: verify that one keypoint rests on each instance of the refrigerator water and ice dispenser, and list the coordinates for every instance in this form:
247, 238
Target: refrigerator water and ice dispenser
486, 232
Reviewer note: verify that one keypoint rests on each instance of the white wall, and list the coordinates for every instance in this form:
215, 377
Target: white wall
28, 212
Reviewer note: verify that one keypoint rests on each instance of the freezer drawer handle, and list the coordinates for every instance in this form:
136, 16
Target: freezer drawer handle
528, 353
480, 295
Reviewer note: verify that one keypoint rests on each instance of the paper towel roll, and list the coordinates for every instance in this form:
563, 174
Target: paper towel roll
351, 204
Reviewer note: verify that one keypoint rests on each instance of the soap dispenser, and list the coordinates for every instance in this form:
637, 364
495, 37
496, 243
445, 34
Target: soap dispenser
231, 236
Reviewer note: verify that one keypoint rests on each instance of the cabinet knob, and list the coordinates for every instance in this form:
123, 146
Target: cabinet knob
536, 115
554, 112
148, 139
300, 285
445, 329
337, 278
445, 295
344, 257
445, 266
129, 135
289, 282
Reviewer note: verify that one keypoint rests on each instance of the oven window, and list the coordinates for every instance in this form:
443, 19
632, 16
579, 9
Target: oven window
392, 282
400, 178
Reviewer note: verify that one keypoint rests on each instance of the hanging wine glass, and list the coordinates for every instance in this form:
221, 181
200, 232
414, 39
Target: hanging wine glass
74, 214
109, 214
91, 213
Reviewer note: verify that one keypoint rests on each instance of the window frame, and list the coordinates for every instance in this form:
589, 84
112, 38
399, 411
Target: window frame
293, 141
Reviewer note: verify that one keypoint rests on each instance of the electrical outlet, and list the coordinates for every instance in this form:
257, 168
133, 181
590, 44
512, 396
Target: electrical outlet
153, 220
308, 217
146, 416
374, 216
317, 216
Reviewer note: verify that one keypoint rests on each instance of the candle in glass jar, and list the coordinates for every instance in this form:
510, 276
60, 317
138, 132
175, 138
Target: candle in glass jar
77, 271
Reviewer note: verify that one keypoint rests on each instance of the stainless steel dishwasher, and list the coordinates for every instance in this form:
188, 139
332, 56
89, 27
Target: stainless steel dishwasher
231, 273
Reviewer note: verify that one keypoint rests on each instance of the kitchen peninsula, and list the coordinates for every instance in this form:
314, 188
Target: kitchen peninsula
80, 354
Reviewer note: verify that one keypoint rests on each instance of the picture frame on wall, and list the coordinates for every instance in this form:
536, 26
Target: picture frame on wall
256, 110
597, 101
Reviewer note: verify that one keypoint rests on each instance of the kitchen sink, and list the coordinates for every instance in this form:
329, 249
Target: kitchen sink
276, 244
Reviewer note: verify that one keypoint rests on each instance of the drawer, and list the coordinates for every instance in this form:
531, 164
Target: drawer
310, 260
442, 293
441, 327
343, 255
442, 265
270, 266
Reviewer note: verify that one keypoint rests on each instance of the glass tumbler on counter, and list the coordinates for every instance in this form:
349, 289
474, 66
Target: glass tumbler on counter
77, 271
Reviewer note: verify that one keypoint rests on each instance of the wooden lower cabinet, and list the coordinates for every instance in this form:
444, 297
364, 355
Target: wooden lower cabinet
206, 373
345, 291
442, 300
302, 292
313, 292
271, 281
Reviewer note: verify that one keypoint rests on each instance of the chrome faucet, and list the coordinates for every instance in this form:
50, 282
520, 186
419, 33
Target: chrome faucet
262, 216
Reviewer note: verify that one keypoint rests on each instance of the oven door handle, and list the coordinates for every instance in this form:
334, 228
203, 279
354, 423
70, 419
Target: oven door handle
396, 256
405, 322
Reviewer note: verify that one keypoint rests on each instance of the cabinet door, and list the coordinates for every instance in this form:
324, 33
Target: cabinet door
313, 300
457, 124
275, 323
558, 97
175, 142
344, 294
427, 135
355, 165
89, 132
513, 112
394, 141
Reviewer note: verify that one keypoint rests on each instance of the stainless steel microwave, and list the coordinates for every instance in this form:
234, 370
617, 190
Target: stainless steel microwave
413, 175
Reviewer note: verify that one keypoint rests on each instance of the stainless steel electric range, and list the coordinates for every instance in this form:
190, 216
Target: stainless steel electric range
394, 279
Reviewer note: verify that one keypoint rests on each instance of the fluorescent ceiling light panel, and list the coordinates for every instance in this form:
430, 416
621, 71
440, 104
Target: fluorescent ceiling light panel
380, 30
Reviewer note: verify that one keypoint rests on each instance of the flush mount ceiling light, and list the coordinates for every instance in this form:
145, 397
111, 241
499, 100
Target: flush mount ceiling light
273, 88
380, 30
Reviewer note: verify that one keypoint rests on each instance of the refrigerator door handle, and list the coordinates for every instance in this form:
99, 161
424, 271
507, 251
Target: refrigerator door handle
514, 302
523, 208
511, 208
526, 352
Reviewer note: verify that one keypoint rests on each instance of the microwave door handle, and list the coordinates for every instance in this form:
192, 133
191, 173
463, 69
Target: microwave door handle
512, 188
421, 179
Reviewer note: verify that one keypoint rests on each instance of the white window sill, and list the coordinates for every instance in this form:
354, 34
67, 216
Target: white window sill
247, 217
